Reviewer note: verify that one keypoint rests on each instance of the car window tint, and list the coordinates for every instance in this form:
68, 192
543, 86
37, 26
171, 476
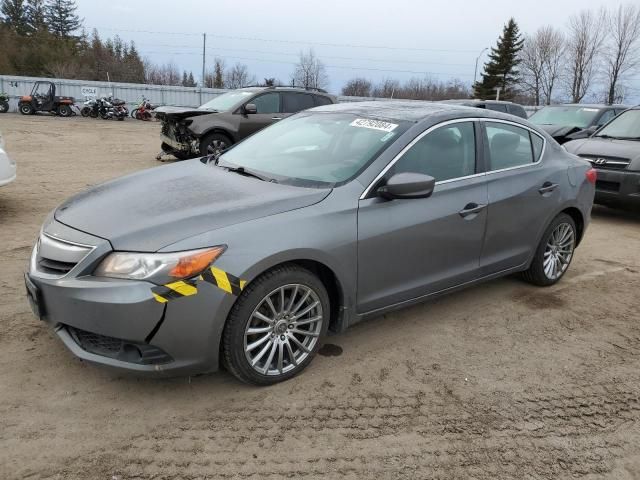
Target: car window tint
294, 102
320, 100
537, 142
509, 146
446, 153
267, 103
605, 117
498, 107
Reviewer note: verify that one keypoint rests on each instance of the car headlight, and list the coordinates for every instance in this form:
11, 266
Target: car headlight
158, 267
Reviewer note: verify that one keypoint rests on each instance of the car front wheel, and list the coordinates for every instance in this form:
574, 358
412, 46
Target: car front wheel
214, 144
554, 253
275, 328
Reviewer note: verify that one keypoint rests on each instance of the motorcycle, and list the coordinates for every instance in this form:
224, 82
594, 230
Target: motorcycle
144, 110
4, 102
109, 108
90, 108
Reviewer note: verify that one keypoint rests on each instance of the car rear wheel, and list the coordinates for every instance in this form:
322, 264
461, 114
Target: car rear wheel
26, 109
275, 328
555, 252
214, 144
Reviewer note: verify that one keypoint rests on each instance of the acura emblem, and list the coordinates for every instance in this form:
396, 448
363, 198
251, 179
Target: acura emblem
600, 161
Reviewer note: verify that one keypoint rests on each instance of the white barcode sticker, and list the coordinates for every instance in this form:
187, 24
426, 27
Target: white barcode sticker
373, 124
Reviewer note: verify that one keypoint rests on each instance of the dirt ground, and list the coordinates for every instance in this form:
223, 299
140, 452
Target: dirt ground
501, 381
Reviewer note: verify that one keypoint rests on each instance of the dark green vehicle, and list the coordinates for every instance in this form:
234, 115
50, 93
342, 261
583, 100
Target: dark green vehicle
4, 102
231, 117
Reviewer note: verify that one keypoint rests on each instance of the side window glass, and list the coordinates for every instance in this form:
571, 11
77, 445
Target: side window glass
267, 103
446, 153
498, 107
605, 117
509, 146
295, 102
320, 100
537, 142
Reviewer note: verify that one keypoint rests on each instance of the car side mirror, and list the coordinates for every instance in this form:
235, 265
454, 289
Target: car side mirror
407, 185
250, 108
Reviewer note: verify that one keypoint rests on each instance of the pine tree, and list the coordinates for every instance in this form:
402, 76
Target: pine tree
184, 79
36, 15
191, 80
62, 18
502, 69
14, 15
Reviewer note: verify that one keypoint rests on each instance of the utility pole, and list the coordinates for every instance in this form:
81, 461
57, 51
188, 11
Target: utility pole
204, 50
498, 89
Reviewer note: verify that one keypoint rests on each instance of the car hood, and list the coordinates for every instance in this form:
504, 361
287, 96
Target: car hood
560, 130
151, 209
606, 147
176, 113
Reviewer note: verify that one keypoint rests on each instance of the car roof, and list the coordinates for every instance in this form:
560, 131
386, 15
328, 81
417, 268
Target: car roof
588, 105
407, 110
475, 101
261, 88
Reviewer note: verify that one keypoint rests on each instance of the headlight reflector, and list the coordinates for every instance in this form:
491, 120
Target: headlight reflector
158, 267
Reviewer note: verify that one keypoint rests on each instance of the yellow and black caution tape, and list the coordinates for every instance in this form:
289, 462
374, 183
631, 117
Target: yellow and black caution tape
185, 288
223, 280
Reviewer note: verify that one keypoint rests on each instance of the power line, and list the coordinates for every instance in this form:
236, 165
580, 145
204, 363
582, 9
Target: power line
295, 42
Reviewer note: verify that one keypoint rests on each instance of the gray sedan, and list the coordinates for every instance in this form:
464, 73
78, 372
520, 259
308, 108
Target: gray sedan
333, 216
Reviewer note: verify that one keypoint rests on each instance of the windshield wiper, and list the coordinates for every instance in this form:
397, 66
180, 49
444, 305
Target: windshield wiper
607, 136
248, 173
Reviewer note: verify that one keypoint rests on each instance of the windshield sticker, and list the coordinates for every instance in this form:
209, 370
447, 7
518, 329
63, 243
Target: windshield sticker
589, 109
387, 137
373, 124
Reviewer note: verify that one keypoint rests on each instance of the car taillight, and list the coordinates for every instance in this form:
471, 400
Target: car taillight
592, 175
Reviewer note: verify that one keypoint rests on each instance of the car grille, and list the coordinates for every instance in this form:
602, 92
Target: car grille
117, 348
57, 257
607, 163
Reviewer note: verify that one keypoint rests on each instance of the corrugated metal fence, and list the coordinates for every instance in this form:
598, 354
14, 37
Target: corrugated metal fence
132, 93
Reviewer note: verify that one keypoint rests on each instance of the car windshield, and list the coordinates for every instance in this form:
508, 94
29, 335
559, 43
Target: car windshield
564, 115
226, 101
625, 125
314, 149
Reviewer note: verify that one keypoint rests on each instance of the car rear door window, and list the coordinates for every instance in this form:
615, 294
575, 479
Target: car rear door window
322, 100
267, 103
295, 102
509, 146
498, 107
446, 153
517, 110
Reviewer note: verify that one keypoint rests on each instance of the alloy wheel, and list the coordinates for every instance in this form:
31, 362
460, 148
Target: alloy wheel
559, 251
283, 329
216, 147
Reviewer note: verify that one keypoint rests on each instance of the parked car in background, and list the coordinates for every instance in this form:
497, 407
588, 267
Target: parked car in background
7, 165
614, 151
332, 216
574, 121
231, 117
495, 105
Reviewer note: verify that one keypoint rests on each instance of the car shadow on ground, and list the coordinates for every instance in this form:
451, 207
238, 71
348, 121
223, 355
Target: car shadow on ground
615, 214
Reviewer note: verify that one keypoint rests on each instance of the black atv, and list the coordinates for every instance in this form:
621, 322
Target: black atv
43, 99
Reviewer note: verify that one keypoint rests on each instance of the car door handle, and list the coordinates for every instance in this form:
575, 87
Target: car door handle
471, 209
547, 187
276, 118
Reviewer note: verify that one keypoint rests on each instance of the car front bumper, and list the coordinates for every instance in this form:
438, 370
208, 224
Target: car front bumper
119, 323
618, 188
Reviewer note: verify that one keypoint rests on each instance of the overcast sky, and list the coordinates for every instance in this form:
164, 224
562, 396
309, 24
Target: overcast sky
370, 38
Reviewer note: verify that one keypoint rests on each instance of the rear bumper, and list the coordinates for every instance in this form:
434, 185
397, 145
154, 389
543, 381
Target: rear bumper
618, 188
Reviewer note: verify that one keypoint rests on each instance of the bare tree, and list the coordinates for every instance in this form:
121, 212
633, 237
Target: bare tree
621, 46
388, 88
553, 47
586, 34
238, 77
357, 87
531, 63
309, 72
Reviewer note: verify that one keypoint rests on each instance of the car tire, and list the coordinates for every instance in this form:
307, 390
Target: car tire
279, 350
214, 143
554, 253
26, 109
65, 111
